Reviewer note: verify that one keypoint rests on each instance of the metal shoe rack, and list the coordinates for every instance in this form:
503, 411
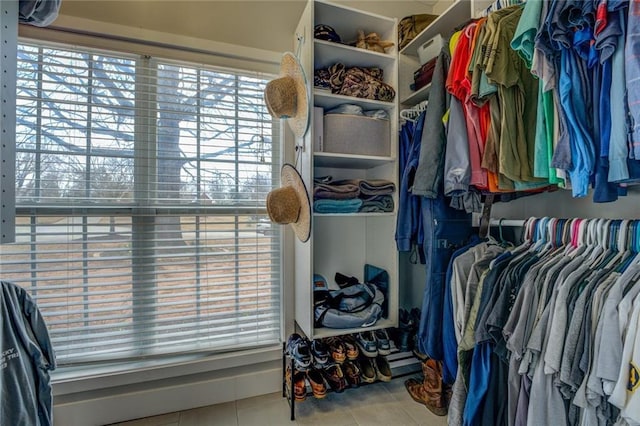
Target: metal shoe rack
402, 364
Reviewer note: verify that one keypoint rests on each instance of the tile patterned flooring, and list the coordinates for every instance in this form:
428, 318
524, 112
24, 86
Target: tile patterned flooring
379, 404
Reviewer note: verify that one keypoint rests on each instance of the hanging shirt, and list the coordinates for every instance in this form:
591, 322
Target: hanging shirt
518, 94
459, 85
618, 147
632, 76
430, 171
26, 357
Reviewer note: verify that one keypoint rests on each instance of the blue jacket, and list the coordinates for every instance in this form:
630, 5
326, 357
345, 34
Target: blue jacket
26, 357
409, 224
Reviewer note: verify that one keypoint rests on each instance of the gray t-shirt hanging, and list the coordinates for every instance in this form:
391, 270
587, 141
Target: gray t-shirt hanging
26, 357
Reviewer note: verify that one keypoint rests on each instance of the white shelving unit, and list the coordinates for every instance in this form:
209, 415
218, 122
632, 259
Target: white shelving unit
346, 242
456, 14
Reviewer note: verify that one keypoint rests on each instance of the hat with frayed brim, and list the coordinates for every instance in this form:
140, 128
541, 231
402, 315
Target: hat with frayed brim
286, 96
289, 204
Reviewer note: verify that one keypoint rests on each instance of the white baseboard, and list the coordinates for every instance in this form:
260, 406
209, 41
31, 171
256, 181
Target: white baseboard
132, 402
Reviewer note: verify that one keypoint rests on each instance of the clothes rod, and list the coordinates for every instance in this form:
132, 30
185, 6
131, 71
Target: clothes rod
507, 222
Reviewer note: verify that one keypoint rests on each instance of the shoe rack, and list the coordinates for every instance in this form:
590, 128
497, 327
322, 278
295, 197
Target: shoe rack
401, 364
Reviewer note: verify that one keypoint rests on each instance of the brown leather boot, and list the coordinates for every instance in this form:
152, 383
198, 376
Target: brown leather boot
419, 394
435, 400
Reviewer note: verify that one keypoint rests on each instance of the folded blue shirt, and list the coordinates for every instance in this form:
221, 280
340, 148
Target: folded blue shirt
337, 206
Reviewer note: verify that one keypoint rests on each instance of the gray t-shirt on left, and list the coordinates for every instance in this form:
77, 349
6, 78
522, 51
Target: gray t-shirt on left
26, 357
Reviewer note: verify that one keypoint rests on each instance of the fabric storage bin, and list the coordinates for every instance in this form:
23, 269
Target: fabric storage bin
356, 134
430, 49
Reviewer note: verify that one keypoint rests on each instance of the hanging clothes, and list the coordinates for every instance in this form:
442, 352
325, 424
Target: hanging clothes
546, 331
26, 358
409, 232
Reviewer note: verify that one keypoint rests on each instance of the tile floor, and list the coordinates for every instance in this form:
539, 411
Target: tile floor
383, 404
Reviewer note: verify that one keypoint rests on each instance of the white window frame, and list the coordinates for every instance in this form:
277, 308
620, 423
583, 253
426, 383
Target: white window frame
70, 382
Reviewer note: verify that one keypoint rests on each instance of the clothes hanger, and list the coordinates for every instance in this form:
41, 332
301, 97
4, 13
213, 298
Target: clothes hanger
503, 242
566, 232
599, 242
581, 235
634, 256
549, 236
612, 254
622, 252
408, 115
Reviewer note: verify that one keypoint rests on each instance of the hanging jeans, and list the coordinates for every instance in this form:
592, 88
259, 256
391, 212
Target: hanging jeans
445, 229
409, 232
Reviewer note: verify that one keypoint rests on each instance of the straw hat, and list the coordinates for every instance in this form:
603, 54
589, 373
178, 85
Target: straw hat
286, 96
290, 204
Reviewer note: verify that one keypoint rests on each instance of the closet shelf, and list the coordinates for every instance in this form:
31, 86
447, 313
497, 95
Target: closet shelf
327, 100
322, 332
352, 214
328, 53
456, 14
349, 161
418, 96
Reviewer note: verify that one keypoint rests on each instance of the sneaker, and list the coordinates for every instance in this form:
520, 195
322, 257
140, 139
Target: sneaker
382, 341
367, 343
299, 384
298, 349
335, 377
320, 353
383, 369
351, 371
367, 369
336, 349
351, 347
318, 387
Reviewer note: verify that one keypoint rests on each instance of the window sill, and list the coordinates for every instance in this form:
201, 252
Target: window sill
72, 380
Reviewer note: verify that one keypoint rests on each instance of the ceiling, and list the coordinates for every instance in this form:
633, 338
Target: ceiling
265, 24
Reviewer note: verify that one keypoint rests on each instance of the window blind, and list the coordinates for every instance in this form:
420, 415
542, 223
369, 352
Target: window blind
140, 192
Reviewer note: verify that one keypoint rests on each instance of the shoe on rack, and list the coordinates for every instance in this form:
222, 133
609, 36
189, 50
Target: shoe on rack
318, 387
415, 315
382, 341
335, 377
351, 347
298, 349
336, 349
351, 371
405, 330
299, 384
320, 353
383, 369
367, 369
367, 343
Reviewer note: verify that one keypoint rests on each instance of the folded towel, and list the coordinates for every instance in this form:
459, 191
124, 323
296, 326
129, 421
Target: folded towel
335, 191
370, 186
337, 206
322, 179
377, 204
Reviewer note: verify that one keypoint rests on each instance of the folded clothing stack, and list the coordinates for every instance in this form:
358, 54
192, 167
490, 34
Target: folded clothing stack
353, 195
359, 82
424, 74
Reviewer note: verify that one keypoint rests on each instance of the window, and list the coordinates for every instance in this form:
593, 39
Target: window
140, 187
